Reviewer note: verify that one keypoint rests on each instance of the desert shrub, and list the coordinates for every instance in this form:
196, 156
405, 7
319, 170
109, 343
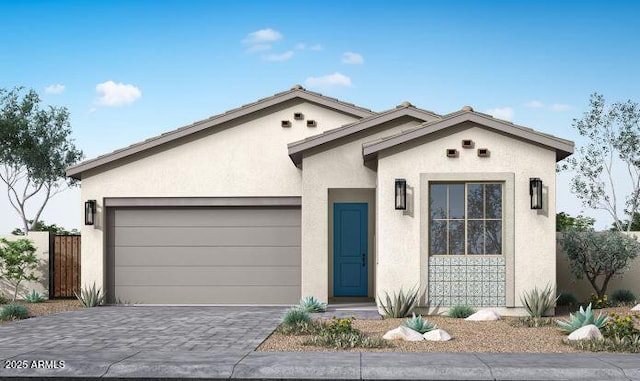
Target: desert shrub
339, 333
460, 311
90, 296
619, 326
13, 312
599, 301
623, 296
629, 344
566, 299
3, 299
311, 304
400, 304
34, 297
533, 322
581, 318
295, 316
18, 262
418, 324
537, 301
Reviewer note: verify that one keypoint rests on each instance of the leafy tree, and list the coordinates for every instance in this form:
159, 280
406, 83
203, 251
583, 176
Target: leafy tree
565, 221
598, 256
633, 225
35, 150
18, 261
41, 226
613, 132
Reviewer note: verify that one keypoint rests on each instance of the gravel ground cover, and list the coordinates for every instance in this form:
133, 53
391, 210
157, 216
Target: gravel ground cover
493, 336
48, 307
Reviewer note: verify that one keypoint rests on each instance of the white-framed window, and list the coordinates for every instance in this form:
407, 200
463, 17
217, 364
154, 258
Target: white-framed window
465, 218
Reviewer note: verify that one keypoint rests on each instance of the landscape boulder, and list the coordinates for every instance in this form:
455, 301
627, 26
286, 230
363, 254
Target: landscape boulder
403, 333
484, 315
636, 308
586, 333
437, 335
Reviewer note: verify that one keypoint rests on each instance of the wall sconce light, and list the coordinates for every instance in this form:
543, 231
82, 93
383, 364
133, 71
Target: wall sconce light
89, 212
401, 194
535, 191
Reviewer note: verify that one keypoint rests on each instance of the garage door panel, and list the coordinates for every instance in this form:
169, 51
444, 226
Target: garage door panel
208, 276
208, 256
207, 236
210, 294
190, 217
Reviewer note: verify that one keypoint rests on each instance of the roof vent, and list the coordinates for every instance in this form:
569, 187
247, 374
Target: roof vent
311, 123
297, 87
483, 152
298, 116
467, 143
452, 152
286, 123
467, 108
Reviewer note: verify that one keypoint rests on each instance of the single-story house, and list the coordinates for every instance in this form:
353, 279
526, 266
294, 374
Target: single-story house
301, 194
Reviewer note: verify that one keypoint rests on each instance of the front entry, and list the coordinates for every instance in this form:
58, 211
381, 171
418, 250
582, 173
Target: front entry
350, 249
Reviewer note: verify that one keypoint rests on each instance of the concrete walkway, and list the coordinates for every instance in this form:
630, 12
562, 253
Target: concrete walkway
218, 343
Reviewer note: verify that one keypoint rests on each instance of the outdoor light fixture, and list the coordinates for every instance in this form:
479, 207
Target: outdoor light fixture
401, 194
89, 212
535, 191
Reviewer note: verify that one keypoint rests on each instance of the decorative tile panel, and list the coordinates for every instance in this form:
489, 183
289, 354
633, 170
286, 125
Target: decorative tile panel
477, 281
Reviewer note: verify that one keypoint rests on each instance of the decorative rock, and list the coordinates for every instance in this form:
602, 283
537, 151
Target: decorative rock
403, 333
437, 335
484, 315
636, 308
585, 333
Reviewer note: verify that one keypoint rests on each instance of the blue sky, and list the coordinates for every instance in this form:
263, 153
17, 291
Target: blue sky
128, 70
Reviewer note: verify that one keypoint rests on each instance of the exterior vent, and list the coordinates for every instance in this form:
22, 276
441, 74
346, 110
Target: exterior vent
467, 143
311, 123
298, 116
452, 152
483, 152
286, 123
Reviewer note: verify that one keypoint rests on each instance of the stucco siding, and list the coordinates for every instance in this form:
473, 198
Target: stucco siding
401, 254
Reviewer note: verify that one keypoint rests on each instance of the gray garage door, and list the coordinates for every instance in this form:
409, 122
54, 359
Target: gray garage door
236, 255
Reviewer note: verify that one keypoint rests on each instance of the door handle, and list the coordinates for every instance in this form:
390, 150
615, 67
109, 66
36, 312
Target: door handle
364, 260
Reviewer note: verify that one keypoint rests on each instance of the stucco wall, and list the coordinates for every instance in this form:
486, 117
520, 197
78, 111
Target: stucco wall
250, 159
40, 241
582, 289
340, 165
401, 262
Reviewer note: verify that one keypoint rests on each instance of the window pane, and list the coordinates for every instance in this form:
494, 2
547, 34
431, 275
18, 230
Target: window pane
456, 237
475, 237
456, 201
438, 201
493, 237
438, 237
494, 200
475, 200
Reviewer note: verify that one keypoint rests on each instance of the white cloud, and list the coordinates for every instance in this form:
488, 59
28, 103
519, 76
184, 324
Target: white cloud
505, 113
534, 104
278, 57
352, 58
111, 94
262, 36
258, 48
331, 80
316, 47
54, 89
559, 107
301, 46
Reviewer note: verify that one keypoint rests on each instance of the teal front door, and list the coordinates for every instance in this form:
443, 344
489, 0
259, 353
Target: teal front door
350, 251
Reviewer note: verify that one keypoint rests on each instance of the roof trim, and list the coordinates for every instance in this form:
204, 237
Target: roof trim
562, 147
297, 149
111, 202
297, 91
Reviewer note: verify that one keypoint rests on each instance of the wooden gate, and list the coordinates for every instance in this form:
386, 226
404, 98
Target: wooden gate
65, 265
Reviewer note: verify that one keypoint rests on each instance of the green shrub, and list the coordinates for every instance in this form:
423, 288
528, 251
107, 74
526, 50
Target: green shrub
629, 344
300, 328
311, 304
401, 304
580, 319
619, 326
599, 302
537, 301
13, 312
34, 297
339, 333
533, 322
418, 324
90, 296
623, 296
566, 299
460, 311
295, 316
3, 299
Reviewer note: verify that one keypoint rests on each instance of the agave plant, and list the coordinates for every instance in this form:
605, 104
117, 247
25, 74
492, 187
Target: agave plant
90, 296
418, 324
537, 301
581, 318
13, 312
401, 304
311, 304
295, 315
34, 297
